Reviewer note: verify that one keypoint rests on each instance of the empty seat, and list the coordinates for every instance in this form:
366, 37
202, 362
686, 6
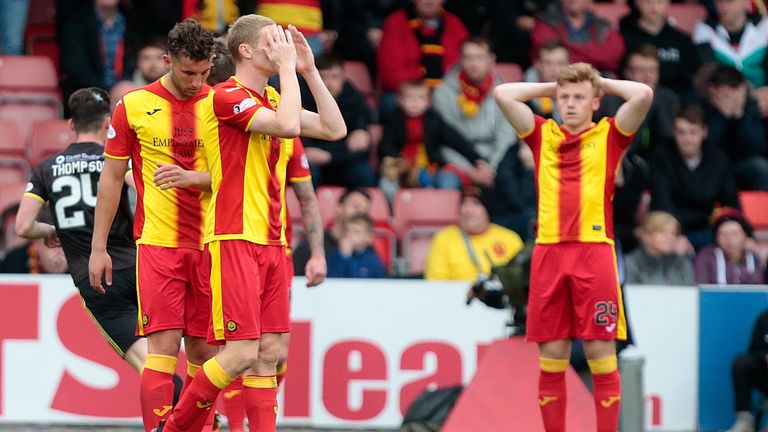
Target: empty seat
416, 246
611, 12
25, 115
31, 78
684, 16
385, 245
357, 74
509, 72
48, 138
13, 170
13, 141
379, 207
420, 208
10, 194
755, 207
44, 45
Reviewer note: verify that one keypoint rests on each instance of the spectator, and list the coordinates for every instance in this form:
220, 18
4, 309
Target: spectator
34, 258
551, 58
97, 48
750, 371
13, 22
511, 202
731, 259
642, 65
678, 58
119, 90
410, 149
732, 39
690, 178
223, 65
464, 251
420, 41
343, 162
215, 15
629, 206
354, 202
355, 257
465, 101
661, 258
587, 37
149, 62
736, 127
314, 18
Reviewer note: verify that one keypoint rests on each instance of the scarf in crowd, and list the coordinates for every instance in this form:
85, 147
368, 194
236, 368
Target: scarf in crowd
472, 94
432, 50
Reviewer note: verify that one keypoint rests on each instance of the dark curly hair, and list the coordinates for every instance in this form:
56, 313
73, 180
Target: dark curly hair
190, 39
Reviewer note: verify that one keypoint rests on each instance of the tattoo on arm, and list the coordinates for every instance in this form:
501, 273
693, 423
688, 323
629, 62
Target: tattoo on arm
310, 215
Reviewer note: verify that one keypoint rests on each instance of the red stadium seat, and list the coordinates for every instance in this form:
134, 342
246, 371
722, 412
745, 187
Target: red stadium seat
357, 74
612, 12
425, 208
13, 142
10, 194
45, 45
13, 170
684, 16
42, 12
328, 200
755, 206
416, 246
509, 72
48, 138
385, 245
379, 207
28, 78
376, 132
25, 115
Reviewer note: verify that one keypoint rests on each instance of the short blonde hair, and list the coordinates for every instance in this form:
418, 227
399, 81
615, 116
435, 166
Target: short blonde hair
579, 72
245, 31
655, 222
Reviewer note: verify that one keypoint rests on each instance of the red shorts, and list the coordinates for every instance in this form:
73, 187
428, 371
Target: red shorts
575, 293
249, 290
173, 290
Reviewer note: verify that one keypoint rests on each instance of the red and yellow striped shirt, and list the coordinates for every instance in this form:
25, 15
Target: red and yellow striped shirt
306, 15
297, 170
151, 126
575, 180
248, 170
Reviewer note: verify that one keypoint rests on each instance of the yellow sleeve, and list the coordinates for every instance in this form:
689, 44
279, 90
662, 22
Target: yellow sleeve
436, 267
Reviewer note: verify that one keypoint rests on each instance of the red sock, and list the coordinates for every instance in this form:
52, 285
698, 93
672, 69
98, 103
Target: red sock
607, 391
552, 400
233, 405
260, 398
156, 389
198, 399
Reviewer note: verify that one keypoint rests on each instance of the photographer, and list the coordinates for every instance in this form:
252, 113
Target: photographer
469, 250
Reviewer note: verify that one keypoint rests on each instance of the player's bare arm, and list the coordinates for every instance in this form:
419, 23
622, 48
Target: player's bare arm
27, 226
638, 98
316, 268
284, 121
327, 123
169, 176
511, 98
110, 188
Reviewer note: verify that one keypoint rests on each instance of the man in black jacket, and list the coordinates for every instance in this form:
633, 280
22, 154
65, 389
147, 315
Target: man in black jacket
750, 371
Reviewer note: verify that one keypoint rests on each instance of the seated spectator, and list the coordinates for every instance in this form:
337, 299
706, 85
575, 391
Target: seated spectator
731, 259
34, 258
420, 41
410, 148
223, 65
512, 201
551, 58
464, 251
587, 37
355, 257
97, 48
642, 65
689, 178
343, 162
661, 258
353, 202
150, 65
13, 22
733, 39
736, 127
678, 58
465, 101
750, 371
629, 206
